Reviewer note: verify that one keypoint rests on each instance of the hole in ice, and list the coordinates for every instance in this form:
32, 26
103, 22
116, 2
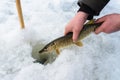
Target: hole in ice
43, 58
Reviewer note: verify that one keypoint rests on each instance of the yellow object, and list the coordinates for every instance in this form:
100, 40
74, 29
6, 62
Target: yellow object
19, 9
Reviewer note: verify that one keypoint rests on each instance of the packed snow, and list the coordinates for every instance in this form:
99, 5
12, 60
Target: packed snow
45, 20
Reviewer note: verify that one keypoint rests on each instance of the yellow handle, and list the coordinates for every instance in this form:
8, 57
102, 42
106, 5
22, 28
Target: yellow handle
19, 9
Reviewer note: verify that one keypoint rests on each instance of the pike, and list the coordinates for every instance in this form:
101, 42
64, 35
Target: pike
66, 40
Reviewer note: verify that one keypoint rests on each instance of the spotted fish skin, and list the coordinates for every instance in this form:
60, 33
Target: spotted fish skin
66, 40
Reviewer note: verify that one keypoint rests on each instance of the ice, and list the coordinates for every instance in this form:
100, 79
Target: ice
98, 59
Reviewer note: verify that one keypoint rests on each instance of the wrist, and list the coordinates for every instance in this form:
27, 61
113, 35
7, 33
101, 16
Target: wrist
81, 14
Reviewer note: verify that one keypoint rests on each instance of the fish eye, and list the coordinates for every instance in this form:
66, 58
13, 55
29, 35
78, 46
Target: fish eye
45, 49
52, 44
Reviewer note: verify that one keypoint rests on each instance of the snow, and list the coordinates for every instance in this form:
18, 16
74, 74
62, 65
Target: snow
98, 59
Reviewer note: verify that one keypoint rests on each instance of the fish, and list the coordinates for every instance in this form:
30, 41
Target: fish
66, 40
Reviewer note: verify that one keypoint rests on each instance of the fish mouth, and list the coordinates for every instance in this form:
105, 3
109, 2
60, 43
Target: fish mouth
41, 51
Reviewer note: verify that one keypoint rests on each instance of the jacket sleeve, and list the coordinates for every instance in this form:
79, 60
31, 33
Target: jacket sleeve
92, 7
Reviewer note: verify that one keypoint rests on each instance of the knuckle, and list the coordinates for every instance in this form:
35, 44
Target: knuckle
67, 28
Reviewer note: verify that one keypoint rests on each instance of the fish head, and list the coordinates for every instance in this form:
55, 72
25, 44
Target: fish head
43, 50
48, 48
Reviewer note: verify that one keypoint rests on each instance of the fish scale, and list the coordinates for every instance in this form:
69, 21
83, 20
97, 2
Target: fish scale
66, 40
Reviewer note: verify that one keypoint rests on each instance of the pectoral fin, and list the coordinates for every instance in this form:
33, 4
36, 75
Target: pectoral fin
58, 51
79, 44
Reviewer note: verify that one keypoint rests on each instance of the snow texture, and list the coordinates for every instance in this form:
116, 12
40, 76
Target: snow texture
45, 20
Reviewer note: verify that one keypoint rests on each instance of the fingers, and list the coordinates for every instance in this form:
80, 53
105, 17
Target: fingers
75, 30
75, 34
106, 27
67, 30
75, 25
102, 19
101, 28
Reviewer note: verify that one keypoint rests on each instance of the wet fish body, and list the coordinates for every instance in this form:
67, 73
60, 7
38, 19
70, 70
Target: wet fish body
65, 41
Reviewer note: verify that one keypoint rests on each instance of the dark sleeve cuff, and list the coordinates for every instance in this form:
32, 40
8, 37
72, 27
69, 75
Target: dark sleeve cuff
96, 5
87, 10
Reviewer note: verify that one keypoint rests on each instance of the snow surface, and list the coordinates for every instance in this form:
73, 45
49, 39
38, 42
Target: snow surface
45, 20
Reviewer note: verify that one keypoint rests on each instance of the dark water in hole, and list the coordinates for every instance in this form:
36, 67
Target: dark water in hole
44, 58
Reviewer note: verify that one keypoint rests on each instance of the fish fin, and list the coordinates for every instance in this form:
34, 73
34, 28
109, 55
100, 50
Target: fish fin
79, 43
91, 21
58, 51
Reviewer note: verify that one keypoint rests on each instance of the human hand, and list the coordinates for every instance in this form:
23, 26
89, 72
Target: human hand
76, 24
111, 23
